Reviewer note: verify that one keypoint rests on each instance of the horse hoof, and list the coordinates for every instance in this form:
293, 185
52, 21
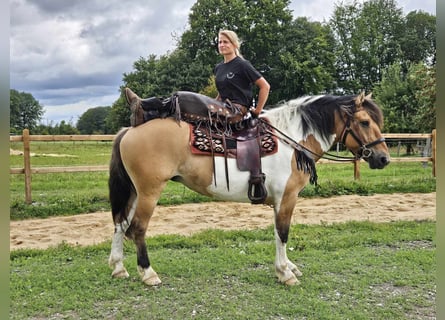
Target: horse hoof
292, 282
153, 281
120, 274
297, 272
149, 276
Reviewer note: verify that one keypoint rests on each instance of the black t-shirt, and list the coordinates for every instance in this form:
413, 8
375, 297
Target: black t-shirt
234, 80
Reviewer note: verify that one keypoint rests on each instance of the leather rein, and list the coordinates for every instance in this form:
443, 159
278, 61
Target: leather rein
363, 152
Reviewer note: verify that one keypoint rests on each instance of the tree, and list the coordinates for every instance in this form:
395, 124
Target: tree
210, 90
25, 111
418, 41
368, 36
261, 23
424, 78
93, 121
119, 115
306, 64
206, 18
60, 128
408, 99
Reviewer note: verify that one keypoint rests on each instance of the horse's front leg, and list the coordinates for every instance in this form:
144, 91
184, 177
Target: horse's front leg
286, 271
148, 275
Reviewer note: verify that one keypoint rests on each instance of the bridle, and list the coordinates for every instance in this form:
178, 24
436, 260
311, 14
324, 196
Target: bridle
364, 152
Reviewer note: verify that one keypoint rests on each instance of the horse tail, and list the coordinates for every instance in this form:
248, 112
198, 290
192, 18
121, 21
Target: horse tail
119, 183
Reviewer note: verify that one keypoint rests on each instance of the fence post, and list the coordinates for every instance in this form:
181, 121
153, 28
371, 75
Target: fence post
357, 169
433, 151
27, 165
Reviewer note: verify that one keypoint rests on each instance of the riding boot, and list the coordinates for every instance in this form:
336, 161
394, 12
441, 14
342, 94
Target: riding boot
152, 108
134, 103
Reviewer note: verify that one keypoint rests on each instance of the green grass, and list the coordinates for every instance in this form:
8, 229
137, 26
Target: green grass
73, 193
351, 271
356, 270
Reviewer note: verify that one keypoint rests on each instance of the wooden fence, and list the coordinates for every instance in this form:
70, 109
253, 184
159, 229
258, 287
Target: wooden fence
400, 138
28, 170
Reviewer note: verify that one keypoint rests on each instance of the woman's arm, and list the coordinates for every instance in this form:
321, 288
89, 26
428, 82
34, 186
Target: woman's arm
263, 94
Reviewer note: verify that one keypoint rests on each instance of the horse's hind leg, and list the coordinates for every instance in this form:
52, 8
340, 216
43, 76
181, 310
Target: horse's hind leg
135, 228
116, 259
137, 231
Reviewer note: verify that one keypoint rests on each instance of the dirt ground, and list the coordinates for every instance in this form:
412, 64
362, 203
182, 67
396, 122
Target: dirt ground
94, 228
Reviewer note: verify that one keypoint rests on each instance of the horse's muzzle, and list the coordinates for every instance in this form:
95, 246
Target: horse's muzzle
378, 160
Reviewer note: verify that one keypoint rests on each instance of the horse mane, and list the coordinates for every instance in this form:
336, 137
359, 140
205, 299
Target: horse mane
316, 114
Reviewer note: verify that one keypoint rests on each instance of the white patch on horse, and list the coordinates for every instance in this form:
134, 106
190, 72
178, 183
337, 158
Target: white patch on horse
238, 181
287, 117
117, 246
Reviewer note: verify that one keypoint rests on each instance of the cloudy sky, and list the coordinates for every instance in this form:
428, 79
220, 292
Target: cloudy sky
71, 55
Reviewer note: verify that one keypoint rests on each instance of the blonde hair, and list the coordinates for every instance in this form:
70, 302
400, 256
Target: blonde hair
233, 38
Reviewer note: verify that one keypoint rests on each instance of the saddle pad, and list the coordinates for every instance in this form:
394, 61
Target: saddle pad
200, 143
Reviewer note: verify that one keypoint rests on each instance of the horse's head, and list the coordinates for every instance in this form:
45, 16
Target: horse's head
361, 133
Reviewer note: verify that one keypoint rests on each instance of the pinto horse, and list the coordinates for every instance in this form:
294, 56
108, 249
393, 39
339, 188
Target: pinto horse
146, 157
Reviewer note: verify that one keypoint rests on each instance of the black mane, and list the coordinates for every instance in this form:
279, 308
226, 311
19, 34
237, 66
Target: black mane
319, 113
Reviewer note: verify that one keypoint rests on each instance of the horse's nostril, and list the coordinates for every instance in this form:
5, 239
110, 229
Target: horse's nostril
385, 161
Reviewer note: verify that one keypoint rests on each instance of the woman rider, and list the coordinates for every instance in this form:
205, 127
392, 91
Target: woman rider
234, 78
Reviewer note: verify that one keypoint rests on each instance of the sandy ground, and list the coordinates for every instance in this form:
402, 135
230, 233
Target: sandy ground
94, 228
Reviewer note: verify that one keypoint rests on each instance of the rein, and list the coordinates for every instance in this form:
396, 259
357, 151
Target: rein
363, 152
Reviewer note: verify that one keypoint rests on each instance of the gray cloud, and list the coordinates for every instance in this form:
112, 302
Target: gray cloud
71, 55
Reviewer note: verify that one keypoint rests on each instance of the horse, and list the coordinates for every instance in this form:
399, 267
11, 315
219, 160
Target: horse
144, 158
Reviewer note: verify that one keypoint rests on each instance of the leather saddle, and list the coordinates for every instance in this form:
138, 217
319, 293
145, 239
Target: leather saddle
195, 107
222, 121
247, 142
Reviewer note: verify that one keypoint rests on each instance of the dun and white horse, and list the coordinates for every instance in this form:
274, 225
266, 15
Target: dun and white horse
146, 157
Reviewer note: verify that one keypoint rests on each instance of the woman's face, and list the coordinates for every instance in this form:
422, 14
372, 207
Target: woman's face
225, 47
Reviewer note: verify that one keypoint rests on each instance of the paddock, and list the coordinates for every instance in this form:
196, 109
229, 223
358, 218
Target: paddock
187, 219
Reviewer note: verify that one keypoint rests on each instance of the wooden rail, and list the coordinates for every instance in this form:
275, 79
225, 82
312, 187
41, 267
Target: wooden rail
400, 137
26, 138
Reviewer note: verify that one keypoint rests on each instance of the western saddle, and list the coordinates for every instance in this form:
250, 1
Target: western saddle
228, 122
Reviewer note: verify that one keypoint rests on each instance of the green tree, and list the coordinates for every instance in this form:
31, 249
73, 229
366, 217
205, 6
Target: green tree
60, 128
206, 18
408, 99
93, 121
424, 78
25, 111
65, 128
261, 24
418, 41
210, 90
368, 36
306, 65
119, 115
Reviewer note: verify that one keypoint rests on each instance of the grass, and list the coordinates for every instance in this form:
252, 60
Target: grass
73, 193
351, 271
356, 270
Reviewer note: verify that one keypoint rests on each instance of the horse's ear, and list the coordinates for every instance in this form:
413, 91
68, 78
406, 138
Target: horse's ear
360, 99
369, 96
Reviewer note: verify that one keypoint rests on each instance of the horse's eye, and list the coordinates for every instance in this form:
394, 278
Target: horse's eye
364, 123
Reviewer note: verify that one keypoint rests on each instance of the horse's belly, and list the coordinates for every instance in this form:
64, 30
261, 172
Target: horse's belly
235, 189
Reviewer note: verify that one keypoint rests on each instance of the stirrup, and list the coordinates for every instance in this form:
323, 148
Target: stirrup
257, 192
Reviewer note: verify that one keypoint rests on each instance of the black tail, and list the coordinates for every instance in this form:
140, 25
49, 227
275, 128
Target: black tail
119, 183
